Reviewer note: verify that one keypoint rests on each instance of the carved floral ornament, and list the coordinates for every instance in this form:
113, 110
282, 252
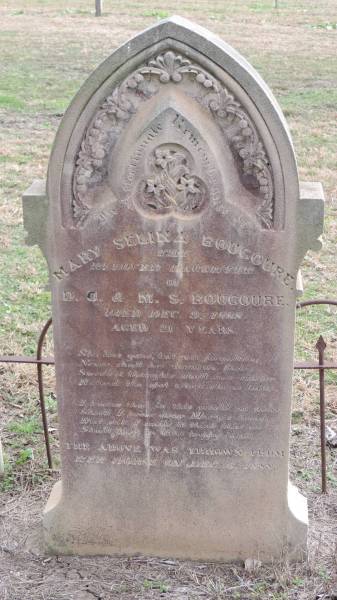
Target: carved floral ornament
117, 110
172, 187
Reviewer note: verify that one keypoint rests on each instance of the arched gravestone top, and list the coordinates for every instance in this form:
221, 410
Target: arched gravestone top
196, 63
175, 232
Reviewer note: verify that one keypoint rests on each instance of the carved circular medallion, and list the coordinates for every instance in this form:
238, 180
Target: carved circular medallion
170, 185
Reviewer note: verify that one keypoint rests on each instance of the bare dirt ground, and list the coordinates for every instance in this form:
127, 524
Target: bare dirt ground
26, 574
48, 48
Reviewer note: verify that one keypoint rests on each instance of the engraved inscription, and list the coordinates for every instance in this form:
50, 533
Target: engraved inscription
82, 259
212, 421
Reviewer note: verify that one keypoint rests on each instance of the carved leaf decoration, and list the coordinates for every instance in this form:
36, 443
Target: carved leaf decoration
265, 213
169, 66
176, 171
170, 186
223, 103
80, 211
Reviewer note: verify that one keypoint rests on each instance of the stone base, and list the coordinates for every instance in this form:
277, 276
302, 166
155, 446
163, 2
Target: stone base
297, 524
67, 530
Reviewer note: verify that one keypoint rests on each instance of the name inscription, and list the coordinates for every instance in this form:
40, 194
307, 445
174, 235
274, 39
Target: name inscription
181, 238
143, 403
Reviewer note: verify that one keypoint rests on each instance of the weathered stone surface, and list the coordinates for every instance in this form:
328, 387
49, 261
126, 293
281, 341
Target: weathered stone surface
309, 218
175, 234
35, 211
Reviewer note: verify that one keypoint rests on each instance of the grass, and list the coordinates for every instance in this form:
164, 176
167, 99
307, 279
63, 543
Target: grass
159, 14
48, 49
25, 428
11, 102
155, 585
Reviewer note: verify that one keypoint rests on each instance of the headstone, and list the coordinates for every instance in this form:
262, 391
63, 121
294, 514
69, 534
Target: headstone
175, 232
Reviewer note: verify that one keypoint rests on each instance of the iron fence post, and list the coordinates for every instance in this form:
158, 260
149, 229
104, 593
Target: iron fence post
321, 345
41, 392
